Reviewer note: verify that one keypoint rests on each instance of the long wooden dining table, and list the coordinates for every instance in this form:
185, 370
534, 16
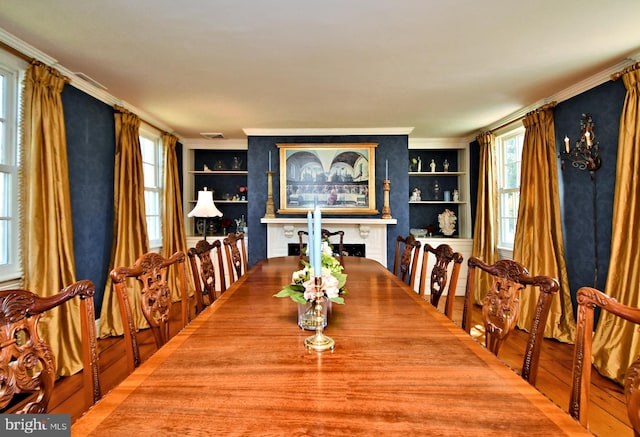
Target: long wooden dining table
399, 367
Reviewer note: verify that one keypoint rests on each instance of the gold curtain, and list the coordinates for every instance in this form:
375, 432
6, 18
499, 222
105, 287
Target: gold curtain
47, 233
130, 239
538, 241
616, 342
486, 225
173, 230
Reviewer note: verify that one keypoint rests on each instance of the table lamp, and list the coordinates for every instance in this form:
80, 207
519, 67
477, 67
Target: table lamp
204, 209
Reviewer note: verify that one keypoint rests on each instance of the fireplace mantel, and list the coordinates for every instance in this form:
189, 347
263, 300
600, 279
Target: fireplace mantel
371, 232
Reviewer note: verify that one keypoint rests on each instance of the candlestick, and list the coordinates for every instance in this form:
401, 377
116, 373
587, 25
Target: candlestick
566, 143
386, 169
386, 209
317, 242
310, 252
270, 207
319, 342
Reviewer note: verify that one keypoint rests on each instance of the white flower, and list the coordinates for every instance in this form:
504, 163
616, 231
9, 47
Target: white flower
298, 276
326, 249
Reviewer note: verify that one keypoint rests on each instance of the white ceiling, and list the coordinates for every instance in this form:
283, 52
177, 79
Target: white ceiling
447, 68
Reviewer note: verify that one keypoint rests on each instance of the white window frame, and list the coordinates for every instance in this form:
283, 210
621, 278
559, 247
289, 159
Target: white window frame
508, 213
154, 183
13, 70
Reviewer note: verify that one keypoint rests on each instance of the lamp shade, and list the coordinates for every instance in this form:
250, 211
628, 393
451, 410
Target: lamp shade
205, 206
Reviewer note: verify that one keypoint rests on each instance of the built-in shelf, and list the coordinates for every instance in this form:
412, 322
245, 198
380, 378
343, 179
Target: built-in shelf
444, 202
219, 172
433, 187
230, 158
437, 173
223, 201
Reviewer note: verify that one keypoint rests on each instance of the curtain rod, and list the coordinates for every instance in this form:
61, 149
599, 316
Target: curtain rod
522, 117
16, 52
619, 74
122, 109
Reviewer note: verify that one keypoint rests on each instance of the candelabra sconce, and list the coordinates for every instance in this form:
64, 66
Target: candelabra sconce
585, 155
270, 209
386, 209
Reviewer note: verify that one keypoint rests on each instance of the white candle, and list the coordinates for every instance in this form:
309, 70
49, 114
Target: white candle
566, 143
269, 160
386, 169
317, 242
310, 252
588, 137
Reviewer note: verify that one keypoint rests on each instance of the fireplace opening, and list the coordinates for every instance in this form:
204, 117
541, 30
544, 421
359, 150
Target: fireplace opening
348, 248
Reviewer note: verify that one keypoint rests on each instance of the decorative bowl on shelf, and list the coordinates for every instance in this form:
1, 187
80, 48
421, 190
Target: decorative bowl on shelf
418, 233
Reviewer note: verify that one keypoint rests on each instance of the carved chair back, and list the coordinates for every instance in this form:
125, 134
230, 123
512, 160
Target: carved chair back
501, 308
440, 279
327, 235
588, 298
405, 262
206, 273
236, 254
151, 270
27, 363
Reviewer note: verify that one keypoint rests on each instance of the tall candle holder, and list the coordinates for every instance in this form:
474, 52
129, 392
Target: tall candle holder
386, 209
318, 341
270, 211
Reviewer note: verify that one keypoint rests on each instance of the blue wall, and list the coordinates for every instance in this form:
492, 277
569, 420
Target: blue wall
604, 103
391, 147
90, 131
90, 128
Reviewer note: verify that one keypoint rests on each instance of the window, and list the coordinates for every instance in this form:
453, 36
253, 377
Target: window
509, 148
151, 148
10, 73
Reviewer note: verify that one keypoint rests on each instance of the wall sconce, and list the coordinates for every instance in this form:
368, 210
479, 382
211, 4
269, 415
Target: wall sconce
585, 155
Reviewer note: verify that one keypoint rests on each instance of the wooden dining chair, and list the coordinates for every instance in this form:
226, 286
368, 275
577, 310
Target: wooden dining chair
327, 235
27, 364
406, 259
151, 270
501, 308
440, 279
588, 298
205, 274
236, 254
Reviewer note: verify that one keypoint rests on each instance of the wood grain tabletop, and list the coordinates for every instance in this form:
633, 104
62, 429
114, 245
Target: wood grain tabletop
399, 368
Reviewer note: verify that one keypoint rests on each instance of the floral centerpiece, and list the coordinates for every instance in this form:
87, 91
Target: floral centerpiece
302, 289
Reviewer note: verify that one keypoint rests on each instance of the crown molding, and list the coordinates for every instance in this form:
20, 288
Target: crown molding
77, 81
251, 132
567, 93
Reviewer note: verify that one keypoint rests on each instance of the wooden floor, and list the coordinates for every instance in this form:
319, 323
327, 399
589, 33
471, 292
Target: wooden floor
608, 415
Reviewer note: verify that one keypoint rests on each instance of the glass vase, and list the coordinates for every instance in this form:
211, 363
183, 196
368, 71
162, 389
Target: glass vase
307, 316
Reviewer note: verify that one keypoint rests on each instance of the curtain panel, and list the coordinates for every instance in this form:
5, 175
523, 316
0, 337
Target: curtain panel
173, 230
538, 241
130, 238
485, 228
47, 233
